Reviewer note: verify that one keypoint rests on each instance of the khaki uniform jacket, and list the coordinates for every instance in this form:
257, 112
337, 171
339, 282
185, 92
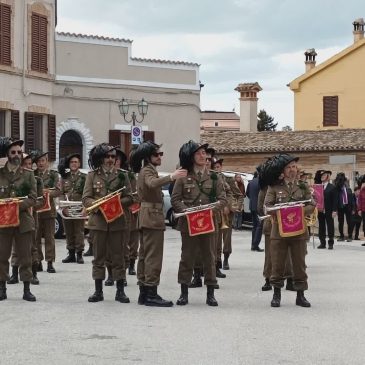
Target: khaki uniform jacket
237, 196
281, 193
260, 210
22, 183
51, 181
72, 186
149, 187
188, 193
98, 185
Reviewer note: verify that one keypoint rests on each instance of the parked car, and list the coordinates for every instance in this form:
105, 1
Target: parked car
167, 208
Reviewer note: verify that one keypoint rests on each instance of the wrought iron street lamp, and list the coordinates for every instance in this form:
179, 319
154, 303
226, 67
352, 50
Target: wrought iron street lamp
142, 110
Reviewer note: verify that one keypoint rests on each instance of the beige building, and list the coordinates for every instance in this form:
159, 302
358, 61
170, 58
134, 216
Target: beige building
331, 95
65, 87
211, 120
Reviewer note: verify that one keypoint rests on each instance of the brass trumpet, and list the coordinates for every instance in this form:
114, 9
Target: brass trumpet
102, 200
198, 208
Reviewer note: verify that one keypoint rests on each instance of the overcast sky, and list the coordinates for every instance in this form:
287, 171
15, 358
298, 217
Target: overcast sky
234, 41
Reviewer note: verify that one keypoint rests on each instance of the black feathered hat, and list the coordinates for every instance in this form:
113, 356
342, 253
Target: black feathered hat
186, 153
143, 152
6, 143
269, 171
121, 156
97, 153
37, 154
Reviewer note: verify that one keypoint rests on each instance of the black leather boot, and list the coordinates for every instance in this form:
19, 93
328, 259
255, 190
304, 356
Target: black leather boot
70, 257
79, 258
34, 280
154, 300
89, 252
142, 295
14, 278
120, 295
266, 286
197, 280
3, 290
109, 281
98, 295
211, 301
218, 273
28, 296
131, 269
50, 267
225, 261
289, 284
184, 296
301, 300
40, 267
275, 302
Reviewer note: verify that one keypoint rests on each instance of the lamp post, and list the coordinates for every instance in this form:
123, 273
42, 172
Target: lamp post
136, 131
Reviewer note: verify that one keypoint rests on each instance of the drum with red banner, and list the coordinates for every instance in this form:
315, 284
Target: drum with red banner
200, 222
112, 208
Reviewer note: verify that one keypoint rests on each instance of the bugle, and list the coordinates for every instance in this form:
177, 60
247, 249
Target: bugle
195, 209
233, 173
102, 200
286, 205
17, 199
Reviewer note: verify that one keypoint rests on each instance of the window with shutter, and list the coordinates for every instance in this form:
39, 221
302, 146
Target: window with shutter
39, 43
52, 137
330, 111
5, 34
29, 132
2, 122
14, 126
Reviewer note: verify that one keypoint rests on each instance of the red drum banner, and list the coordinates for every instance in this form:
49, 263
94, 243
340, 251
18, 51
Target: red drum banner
112, 208
134, 208
291, 221
318, 195
9, 214
47, 203
200, 222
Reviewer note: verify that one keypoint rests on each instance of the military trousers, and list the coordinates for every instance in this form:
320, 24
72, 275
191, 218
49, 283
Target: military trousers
108, 249
46, 229
131, 252
190, 247
225, 239
22, 243
279, 250
288, 271
74, 229
150, 256
34, 252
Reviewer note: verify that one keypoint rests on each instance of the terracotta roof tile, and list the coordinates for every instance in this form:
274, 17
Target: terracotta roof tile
293, 141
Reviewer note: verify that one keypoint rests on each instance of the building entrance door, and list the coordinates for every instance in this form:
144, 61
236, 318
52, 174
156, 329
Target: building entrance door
71, 142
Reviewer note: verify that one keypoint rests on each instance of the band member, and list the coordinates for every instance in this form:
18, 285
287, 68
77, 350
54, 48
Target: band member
72, 186
326, 215
235, 204
267, 177
109, 226
284, 234
198, 265
151, 221
199, 187
14, 279
16, 220
46, 216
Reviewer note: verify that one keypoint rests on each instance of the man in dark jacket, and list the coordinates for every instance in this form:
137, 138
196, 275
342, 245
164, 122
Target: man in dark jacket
253, 190
325, 217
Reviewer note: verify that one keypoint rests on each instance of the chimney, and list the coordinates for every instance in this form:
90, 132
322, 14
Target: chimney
358, 29
310, 59
248, 106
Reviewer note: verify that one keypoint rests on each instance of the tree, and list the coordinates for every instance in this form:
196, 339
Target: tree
265, 122
287, 128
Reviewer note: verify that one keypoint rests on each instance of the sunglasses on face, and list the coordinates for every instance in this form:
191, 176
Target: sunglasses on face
157, 154
16, 152
110, 156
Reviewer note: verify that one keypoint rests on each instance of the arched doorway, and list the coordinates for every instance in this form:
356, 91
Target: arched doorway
71, 142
